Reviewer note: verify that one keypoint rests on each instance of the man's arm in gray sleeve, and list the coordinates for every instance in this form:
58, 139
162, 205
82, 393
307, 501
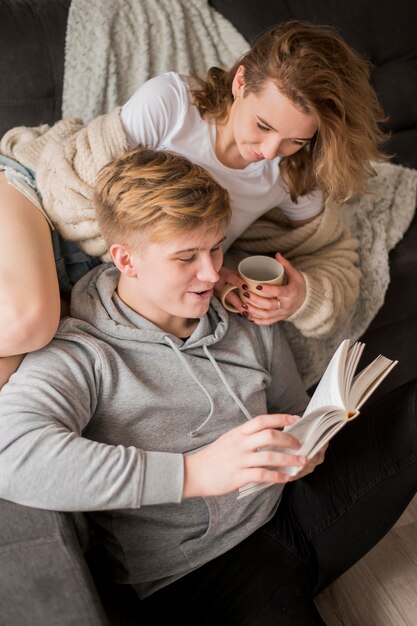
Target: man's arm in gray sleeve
45, 461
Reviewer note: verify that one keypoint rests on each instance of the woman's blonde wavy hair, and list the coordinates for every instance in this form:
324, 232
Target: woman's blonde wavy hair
152, 195
322, 75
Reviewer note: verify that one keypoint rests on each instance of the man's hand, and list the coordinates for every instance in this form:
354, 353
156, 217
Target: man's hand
311, 464
242, 456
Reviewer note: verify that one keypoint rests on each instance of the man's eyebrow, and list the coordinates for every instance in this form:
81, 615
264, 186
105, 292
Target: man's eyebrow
194, 249
265, 123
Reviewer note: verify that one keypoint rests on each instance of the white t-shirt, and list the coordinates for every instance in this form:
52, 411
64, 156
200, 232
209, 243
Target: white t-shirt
161, 115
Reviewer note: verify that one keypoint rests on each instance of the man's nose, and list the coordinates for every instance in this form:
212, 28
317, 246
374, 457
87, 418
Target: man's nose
207, 271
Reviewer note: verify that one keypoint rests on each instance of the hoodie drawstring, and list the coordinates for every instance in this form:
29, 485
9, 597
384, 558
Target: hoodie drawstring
226, 384
193, 376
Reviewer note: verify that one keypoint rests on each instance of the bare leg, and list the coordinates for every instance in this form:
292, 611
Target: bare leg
8, 365
29, 291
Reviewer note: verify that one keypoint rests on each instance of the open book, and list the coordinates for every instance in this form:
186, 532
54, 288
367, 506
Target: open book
337, 399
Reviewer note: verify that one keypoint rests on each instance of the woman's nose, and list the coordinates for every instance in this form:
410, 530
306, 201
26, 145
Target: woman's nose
271, 147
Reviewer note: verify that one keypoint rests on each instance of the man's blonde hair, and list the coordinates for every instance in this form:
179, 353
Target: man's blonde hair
152, 195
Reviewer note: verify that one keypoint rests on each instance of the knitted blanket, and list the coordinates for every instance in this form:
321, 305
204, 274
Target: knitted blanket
378, 220
113, 46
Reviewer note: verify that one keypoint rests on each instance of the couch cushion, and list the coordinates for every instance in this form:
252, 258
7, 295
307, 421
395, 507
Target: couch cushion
43, 576
32, 40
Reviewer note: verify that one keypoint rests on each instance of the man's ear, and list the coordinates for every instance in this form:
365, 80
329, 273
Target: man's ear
123, 260
238, 85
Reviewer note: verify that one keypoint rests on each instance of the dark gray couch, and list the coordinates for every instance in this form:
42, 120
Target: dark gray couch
45, 578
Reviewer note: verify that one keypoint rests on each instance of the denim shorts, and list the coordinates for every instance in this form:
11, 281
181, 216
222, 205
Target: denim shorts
71, 262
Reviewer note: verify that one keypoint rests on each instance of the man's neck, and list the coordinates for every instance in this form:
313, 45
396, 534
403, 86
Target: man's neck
181, 327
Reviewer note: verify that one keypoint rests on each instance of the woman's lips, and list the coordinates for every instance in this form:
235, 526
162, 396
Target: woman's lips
256, 155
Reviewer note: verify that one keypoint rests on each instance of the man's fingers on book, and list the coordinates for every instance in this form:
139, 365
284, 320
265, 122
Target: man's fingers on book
267, 475
285, 440
270, 420
273, 459
272, 439
321, 407
318, 457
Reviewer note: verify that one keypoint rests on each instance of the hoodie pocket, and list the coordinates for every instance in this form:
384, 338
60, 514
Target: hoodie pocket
219, 535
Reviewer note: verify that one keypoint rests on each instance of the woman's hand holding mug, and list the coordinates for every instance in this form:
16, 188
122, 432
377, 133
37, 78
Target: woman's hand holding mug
270, 290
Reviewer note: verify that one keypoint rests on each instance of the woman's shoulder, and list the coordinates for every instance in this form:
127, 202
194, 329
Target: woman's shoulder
169, 90
155, 109
168, 85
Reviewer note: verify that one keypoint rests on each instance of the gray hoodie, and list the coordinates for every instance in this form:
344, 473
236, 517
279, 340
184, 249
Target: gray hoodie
100, 419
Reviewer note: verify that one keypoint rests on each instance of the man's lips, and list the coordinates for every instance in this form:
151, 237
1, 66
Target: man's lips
202, 295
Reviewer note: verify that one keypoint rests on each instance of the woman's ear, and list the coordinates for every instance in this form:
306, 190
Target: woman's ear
238, 84
123, 259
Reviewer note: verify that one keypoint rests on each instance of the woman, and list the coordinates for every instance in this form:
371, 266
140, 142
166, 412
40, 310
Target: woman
294, 124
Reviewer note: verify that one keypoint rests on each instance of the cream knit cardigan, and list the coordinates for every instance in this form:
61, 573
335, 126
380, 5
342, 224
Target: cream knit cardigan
326, 254
68, 156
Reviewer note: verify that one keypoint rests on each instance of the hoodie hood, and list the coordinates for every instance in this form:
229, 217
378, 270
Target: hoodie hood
95, 301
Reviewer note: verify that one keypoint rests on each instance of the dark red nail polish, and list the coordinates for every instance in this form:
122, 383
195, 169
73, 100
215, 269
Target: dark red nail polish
245, 313
245, 286
246, 294
245, 306
259, 287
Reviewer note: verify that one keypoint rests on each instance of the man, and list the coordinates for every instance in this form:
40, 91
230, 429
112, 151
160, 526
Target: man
152, 406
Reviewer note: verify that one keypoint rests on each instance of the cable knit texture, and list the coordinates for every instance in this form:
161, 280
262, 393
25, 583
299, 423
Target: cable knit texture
324, 250
378, 220
113, 46
72, 156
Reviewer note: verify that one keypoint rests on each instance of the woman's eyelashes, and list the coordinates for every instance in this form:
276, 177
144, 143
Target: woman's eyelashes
294, 142
262, 127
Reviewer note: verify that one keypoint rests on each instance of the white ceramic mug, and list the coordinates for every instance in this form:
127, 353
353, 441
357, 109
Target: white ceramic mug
254, 270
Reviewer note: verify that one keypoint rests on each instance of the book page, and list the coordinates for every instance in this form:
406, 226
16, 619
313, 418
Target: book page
328, 391
325, 426
308, 428
252, 488
352, 359
365, 383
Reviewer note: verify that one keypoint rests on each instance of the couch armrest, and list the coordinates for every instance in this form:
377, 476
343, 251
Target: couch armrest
44, 578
